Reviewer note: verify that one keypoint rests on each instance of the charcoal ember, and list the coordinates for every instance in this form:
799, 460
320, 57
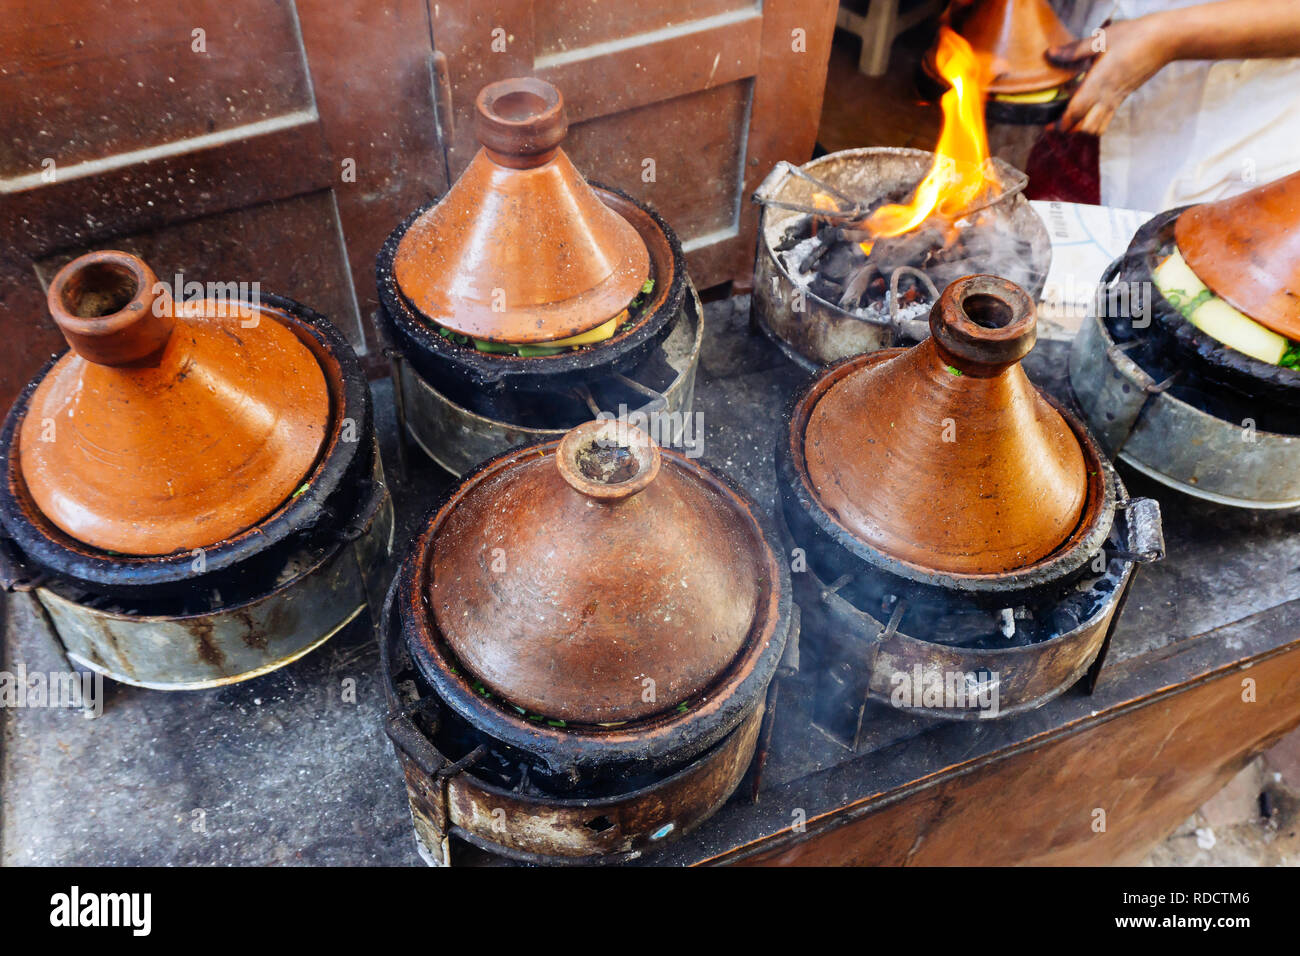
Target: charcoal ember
913, 248
825, 288
825, 241
795, 233
857, 285
1065, 619
945, 251
842, 259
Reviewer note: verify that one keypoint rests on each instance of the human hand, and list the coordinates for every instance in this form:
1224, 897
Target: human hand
1122, 57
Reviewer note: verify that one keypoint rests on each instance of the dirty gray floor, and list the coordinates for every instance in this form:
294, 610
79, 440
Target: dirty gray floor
1253, 821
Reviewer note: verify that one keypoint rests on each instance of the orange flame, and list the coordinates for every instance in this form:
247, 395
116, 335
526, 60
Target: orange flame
959, 175
823, 201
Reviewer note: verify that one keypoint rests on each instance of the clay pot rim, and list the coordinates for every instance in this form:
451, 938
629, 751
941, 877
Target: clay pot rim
526, 140
978, 349
107, 323
1218, 361
337, 463
1088, 536
415, 336
716, 710
646, 452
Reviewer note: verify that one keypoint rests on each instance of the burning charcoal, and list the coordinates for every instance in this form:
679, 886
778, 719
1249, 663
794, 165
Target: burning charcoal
857, 285
819, 249
796, 233
842, 259
824, 288
1065, 619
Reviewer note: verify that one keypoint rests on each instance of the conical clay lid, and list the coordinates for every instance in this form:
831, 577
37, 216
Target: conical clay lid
945, 456
521, 249
1246, 249
601, 582
163, 430
1012, 37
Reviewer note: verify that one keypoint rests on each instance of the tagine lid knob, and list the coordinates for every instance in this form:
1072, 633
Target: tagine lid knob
1246, 249
596, 580
982, 324
167, 426
522, 121
1011, 38
945, 456
521, 249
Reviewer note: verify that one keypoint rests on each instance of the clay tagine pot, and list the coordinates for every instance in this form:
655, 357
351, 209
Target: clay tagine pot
1011, 38
521, 249
1246, 249
945, 456
601, 582
166, 427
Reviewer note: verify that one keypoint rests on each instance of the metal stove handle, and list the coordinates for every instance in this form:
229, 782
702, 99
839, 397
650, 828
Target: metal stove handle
775, 176
1146, 536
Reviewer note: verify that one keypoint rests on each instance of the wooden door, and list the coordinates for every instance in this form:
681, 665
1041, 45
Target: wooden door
228, 140
685, 104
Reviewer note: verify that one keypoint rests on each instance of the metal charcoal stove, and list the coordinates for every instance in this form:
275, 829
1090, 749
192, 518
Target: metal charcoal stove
676, 610
968, 548
160, 415
519, 253
1007, 238
1174, 403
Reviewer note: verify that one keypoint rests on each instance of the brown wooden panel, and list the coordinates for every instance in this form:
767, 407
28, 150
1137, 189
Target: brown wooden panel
161, 147
75, 210
370, 69
95, 79
92, 210
650, 68
564, 25
786, 108
1148, 768
696, 154
247, 245
464, 33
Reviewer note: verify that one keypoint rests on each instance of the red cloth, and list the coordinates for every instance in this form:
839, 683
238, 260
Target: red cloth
1065, 167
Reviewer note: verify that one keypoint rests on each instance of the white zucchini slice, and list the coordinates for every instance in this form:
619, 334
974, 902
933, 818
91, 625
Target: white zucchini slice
1178, 283
1221, 321
1216, 318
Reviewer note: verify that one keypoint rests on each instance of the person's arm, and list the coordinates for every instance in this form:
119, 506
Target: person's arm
1132, 51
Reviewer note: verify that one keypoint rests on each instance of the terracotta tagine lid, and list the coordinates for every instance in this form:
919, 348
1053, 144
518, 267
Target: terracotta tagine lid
602, 583
521, 249
1012, 37
945, 456
1246, 249
166, 427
